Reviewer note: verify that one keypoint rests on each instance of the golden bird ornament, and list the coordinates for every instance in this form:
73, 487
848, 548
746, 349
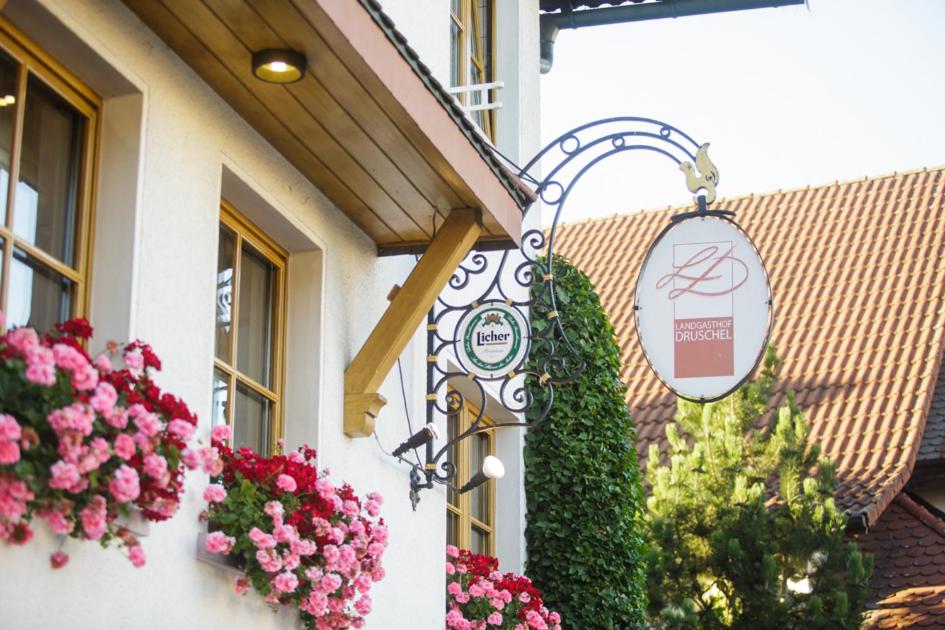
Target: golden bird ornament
708, 175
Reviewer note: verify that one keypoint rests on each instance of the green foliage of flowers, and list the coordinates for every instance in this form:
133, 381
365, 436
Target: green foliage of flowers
584, 493
742, 525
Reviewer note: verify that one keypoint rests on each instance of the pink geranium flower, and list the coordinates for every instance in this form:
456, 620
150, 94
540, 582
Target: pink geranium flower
93, 518
136, 555
104, 398
218, 542
155, 467
9, 428
214, 493
125, 485
134, 361
124, 446
220, 433
64, 475
9, 452
286, 483
181, 428
286, 582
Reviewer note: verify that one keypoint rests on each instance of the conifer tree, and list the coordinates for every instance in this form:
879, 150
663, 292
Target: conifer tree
743, 529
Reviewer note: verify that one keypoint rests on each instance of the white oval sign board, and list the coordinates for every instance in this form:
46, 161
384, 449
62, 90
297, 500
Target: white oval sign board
492, 340
703, 307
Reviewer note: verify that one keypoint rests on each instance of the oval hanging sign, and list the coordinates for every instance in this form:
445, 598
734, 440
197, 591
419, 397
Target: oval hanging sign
703, 307
492, 340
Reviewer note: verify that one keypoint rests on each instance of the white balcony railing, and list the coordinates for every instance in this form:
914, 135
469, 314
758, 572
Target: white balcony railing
475, 97
474, 101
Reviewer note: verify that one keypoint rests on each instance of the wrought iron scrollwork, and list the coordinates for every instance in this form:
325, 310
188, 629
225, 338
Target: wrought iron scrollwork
522, 281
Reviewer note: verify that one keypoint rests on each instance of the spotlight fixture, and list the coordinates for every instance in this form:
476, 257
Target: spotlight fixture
492, 468
276, 65
421, 437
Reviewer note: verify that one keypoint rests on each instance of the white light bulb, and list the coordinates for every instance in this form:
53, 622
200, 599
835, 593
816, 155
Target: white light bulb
433, 431
492, 467
278, 66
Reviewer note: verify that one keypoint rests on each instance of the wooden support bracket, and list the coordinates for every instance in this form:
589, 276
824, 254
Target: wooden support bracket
400, 321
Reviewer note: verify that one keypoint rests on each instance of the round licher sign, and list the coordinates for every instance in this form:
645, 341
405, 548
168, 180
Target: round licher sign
492, 340
703, 307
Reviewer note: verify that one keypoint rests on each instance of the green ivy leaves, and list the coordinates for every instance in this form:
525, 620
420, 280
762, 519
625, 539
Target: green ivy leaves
584, 493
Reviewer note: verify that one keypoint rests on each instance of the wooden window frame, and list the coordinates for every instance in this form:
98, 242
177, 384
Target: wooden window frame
35, 62
469, 24
245, 230
465, 469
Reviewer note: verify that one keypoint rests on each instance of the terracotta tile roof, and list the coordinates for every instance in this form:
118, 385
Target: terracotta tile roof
908, 583
858, 275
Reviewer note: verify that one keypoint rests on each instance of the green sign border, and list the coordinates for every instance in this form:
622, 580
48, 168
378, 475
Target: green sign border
508, 359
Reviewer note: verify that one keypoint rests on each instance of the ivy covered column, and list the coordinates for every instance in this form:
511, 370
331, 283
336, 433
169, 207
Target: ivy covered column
582, 481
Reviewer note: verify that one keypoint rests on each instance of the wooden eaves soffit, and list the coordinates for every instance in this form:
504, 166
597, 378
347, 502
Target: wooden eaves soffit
372, 129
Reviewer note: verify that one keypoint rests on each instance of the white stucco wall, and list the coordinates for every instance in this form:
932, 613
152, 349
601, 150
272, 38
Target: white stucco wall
157, 240
425, 24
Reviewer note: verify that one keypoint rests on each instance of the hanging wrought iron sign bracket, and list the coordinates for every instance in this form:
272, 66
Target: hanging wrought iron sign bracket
487, 346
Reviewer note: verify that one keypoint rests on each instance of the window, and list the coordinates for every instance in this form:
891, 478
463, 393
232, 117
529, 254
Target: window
470, 517
47, 138
250, 320
472, 24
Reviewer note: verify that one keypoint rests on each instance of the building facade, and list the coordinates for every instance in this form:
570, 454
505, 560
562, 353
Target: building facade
252, 233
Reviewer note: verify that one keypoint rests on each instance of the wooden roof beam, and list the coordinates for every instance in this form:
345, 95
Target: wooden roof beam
406, 312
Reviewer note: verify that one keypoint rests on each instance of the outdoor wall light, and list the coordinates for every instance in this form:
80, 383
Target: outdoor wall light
275, 65
418, 439
492, 468
438, 469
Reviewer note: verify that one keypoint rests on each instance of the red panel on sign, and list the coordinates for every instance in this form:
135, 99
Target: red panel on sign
704, 347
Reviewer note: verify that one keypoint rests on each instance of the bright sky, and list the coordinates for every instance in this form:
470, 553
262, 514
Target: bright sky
787, 97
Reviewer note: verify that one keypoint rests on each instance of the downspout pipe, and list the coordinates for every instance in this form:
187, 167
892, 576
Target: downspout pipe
552, 23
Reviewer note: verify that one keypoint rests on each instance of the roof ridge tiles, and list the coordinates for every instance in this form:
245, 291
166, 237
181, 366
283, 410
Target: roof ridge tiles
925, 516
837, 183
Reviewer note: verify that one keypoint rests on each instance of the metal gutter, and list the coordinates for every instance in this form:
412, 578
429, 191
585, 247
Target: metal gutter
552, 23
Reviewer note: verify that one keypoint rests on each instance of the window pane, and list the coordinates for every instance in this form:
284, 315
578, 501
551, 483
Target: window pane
455, 54
485, 37
47, 190
7, 111
220, 396
37, 297
251, 420
479, 499
452, 428
224, 294
480, 541
452, 529
257, 281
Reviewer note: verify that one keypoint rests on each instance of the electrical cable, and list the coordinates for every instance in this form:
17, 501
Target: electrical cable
403, 393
